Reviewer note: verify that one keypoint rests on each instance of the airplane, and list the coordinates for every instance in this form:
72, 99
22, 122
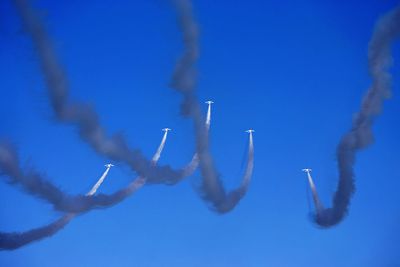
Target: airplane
209, 102
166, 129
307, 170
250, 131
109, 165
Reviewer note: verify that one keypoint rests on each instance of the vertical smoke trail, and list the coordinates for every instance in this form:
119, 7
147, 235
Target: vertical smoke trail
194, 163
184, 81
82, 116
12, 241
250, 162
360, 136
317, 201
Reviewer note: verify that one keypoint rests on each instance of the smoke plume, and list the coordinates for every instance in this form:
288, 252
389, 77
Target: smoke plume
184, 81
360, 135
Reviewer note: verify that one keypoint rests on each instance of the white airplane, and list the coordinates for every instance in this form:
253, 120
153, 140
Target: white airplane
209, 102
250, 131
166, 129
307, 170
109, 165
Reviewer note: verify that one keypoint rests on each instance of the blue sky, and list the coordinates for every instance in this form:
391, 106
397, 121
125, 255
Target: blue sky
293, 70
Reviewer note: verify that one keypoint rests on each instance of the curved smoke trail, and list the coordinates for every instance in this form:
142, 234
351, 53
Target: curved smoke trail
12, 241
81, 115
387, 29
184, 81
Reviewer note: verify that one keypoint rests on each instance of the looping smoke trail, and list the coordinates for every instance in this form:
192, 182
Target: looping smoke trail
82, 116
12, 241
360, 136
184, 81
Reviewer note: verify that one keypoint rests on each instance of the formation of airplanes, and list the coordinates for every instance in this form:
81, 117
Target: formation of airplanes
250, 131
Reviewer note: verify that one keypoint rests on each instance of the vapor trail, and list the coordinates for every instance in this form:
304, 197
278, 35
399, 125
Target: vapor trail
15, 240
184, 81
81, 115
387, 29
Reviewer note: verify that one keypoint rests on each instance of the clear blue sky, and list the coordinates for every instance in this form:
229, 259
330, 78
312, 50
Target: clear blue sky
293, 70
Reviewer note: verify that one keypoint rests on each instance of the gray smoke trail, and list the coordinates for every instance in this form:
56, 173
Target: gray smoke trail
184, 81
12, 241
82, 116
360, 136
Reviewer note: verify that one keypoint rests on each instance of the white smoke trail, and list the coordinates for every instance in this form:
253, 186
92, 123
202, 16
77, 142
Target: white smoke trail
99, 182
157, 155
194, 163
250, 162
317, 201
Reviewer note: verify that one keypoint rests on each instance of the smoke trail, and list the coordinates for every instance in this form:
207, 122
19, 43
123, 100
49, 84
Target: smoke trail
360, 136
82, 116
34, 183
184, 81
11, 241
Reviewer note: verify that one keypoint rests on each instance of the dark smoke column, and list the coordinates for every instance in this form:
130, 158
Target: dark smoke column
184, 81
387, 29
